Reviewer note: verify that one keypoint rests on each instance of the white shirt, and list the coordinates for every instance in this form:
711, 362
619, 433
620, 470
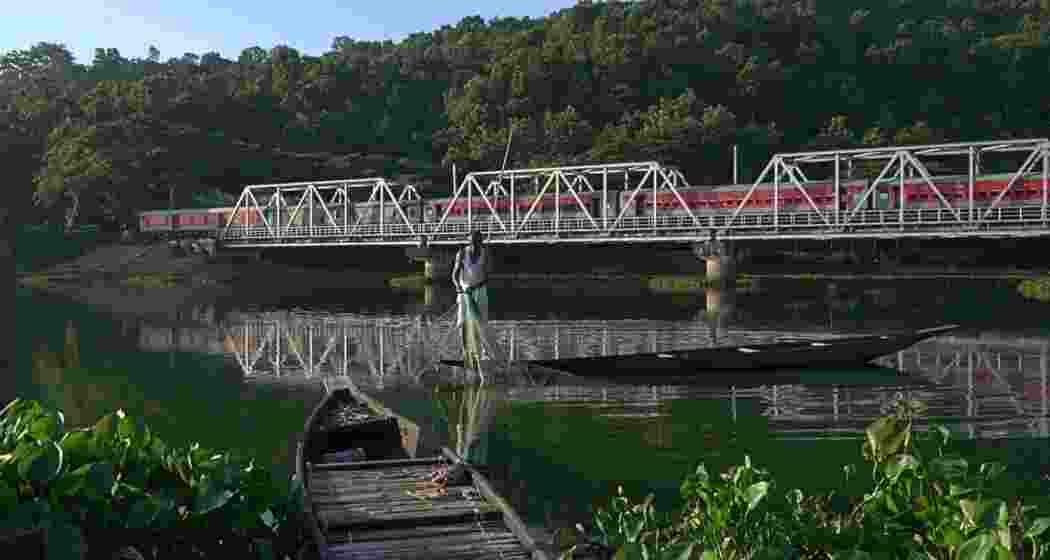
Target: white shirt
471, 273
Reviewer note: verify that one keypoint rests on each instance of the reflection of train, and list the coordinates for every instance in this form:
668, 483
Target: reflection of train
700, 200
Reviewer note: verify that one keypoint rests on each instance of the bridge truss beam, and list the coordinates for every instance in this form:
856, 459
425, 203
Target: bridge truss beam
600, 221
323, 195
903, 163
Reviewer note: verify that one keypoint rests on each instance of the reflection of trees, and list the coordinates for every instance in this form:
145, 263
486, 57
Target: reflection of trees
82, 394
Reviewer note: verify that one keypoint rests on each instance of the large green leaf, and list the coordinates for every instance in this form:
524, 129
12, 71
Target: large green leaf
991, 471
631, 551
992, 514
135, 430
210, 496
79, 447
678, 551
754, 494
978, 548
634, 528
47, 427
1038, 527
41, 463
948, 468
899, 464
105, 430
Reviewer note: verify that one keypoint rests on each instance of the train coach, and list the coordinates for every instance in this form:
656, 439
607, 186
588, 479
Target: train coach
197, 222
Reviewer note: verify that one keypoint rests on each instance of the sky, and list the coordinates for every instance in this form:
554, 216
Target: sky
230, 26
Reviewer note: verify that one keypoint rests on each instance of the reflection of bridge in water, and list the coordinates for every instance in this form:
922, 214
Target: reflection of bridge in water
987, 386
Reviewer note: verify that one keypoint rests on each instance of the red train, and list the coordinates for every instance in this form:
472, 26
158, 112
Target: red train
700, 200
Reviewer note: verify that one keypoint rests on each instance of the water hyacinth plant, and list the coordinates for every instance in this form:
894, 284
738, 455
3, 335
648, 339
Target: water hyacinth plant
924, 503
116, 488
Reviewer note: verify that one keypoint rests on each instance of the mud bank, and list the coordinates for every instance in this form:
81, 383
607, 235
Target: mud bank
149, 282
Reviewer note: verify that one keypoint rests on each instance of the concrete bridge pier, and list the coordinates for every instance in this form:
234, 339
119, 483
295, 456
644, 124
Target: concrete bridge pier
437, 263
719, 261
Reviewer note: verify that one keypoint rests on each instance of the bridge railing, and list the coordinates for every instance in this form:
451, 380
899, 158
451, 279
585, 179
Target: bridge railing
750, 224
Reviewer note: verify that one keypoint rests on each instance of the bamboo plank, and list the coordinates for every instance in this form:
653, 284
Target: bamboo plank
492, 526
367, 465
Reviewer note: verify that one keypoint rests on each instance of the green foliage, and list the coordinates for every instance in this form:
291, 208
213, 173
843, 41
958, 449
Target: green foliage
925, 502
1035, 288
676, 81
116, 484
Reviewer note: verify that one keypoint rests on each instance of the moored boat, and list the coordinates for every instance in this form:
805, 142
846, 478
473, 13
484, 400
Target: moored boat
365, 497
793, 354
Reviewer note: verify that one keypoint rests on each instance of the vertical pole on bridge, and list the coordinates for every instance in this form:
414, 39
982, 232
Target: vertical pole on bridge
346, 209
557, 203
513, 203
382, 207
971, 179
656, 172
901, 182
470, 203
1046, 165
605, 198
310, 355
838, 181
278, 199
776, 192
310, 194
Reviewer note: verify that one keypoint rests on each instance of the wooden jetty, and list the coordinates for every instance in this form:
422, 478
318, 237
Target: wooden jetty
366, 498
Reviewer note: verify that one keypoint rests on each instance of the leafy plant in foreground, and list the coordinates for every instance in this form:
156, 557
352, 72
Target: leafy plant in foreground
924, 503
115, 484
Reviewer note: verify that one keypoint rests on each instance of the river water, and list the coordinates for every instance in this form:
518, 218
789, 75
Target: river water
243, 374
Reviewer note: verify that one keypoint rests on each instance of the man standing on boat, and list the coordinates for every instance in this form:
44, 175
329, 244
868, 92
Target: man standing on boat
470, 274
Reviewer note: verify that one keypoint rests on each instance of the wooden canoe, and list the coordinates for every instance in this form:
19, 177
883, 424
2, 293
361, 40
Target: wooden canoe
365, 497
795, 354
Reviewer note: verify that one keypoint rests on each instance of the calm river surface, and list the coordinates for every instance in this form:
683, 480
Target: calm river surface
244, 375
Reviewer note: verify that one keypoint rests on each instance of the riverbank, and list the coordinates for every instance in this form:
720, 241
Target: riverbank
148, 282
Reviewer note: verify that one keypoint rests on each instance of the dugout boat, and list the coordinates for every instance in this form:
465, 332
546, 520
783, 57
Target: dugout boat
793, 354
365, 497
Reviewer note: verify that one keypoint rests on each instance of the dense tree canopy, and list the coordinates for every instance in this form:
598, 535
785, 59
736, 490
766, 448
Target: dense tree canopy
679, 81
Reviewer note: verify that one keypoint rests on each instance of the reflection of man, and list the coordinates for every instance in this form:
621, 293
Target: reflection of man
470, 274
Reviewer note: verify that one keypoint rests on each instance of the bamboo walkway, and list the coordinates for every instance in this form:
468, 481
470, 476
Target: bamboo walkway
434, 507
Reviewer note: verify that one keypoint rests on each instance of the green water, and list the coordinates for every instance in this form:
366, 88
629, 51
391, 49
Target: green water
88, 364
554, 460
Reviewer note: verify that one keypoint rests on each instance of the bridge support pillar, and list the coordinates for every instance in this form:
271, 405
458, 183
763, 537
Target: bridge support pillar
719, 259
437, 263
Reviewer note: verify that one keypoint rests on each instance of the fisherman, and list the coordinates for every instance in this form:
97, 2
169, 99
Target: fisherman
470, 275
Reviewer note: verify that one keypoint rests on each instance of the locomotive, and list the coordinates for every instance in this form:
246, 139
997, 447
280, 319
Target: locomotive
700, 200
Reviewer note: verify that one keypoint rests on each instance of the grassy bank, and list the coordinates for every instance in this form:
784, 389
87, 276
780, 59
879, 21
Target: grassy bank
1035, 288
923, 501
692, 283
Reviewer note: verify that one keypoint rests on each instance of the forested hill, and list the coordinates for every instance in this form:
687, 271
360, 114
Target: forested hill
675, 80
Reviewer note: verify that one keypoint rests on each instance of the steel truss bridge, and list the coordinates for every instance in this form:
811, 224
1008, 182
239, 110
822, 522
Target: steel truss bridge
309, 221
991, 387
